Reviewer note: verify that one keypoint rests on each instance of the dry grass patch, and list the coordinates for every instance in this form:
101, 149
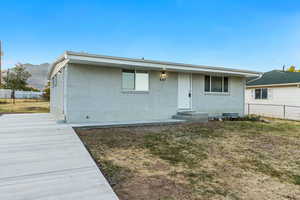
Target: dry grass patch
230, 160
23, 106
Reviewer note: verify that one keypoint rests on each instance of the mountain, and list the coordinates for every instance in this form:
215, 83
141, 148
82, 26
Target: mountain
39, 75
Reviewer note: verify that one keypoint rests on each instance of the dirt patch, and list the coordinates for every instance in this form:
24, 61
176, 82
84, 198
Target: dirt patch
152, 187
217, 160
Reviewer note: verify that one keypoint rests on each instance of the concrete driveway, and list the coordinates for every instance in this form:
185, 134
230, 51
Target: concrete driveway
40, 159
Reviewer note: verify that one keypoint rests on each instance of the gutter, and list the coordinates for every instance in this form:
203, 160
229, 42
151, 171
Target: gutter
160, 62
58, 60
255, 78
274, 85
75, 57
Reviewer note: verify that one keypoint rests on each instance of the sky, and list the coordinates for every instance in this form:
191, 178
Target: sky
258, 35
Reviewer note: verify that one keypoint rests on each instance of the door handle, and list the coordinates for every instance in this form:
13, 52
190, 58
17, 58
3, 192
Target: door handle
190, 95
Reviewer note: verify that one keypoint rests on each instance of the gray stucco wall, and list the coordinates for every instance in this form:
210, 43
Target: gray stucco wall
216, 104
57, 96
94, 94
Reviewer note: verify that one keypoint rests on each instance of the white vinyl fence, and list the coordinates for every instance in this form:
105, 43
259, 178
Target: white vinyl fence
274, 110
6, 94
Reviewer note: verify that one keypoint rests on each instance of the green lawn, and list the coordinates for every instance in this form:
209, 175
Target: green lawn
218, 160
23, 106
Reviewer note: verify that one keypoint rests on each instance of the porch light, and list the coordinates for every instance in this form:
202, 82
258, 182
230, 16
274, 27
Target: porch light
163, 76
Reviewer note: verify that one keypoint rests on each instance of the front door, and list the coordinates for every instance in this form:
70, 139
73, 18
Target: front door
184, 91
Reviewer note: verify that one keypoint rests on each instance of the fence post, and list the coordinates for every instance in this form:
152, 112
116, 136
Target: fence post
283, 111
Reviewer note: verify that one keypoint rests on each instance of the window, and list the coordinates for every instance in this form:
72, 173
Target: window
128, 79
216, 84
225, 84
207, 83
261, 93
133, 80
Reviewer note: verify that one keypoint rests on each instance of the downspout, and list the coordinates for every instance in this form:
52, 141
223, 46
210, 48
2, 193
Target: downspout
244, 98
65, 90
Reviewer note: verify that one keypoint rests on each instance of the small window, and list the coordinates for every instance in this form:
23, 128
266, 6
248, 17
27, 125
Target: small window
207, 83
216, 84
264, 93
225, 84
257, 93
141, 81
261, 93
128, 79
133, 80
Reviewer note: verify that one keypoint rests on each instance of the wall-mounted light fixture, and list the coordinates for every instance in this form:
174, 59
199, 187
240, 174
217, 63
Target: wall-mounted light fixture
163, 76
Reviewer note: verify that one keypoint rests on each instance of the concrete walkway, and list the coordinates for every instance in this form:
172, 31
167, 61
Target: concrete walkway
40, 159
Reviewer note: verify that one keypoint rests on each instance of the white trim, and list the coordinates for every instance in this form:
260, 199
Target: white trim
261, 89
260, 76
124, 90
65, 91
75, 59
58, 67
244, 98
217, 93
83, 58
190, 92
273, 85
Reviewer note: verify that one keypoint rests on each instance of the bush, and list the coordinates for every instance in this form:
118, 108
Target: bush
251, 118
46, 94
3, 102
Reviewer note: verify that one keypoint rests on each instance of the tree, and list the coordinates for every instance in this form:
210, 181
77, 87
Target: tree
292, 69
16, 79
46, 91
31, 89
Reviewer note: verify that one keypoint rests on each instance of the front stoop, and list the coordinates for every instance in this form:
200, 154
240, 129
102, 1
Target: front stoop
191, 116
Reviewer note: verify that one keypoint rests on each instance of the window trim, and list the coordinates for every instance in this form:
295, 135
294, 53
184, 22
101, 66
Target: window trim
134, 90
261, 94
223, 92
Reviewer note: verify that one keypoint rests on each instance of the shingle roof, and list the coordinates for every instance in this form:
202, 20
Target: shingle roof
275, 77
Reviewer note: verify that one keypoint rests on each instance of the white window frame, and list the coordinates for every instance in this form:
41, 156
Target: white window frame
261, 89
210, 92
135, 72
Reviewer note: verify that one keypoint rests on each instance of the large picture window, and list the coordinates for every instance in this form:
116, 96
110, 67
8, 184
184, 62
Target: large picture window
133, 80
261, 93
216, 84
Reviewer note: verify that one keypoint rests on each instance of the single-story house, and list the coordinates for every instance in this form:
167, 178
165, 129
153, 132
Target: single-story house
96, 88
274, 87
275, 94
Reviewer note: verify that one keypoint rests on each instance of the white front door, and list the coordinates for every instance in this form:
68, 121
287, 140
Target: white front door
184, 91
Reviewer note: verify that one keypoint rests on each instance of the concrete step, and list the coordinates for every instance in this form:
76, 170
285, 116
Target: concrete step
186, 112
191, 116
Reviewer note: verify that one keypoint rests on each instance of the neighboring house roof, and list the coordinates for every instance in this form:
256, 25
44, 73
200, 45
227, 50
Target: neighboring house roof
101, 60
275, 77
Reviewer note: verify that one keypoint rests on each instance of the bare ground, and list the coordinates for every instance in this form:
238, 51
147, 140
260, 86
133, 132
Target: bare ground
218, 160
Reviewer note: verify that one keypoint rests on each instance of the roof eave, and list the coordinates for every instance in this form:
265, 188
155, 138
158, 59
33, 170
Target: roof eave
84, 58
273, 85
61, 58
